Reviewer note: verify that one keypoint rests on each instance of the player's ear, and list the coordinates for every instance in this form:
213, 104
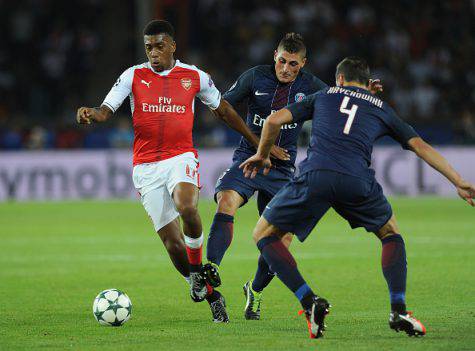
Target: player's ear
275, 55
173, 46
304, 60
340, 79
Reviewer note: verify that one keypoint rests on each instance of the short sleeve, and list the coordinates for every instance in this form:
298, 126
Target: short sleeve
400, 131
302, 110
208, 94
241, 89
120, 90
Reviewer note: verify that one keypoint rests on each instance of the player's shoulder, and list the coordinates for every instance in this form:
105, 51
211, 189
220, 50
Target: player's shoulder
266, 71
140, 66
181, 66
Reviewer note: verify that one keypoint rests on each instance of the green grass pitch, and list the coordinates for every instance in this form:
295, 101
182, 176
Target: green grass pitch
55, 258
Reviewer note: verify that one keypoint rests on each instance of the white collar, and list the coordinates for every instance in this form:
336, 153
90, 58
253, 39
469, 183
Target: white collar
163, 73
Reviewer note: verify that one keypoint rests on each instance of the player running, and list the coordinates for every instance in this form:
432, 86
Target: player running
346, 121
267, 89
165, 173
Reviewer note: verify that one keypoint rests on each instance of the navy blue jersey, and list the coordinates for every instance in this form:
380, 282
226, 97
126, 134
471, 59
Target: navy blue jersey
265, 95
346, 121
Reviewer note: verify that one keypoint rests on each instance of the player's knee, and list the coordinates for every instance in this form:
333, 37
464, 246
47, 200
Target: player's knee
257, 234
287, 239
264, 229
187, 211
390, 228
227, 204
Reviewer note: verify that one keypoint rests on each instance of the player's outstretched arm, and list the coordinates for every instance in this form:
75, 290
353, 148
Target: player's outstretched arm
464, 189
269, 134
229, 115
87, 115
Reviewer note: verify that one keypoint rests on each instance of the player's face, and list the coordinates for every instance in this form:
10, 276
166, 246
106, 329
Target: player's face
159, 49
287, 65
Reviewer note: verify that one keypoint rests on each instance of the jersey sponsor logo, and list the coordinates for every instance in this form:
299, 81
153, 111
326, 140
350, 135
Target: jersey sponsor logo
258, 93
258, 121
164, 106
186, 83
299, 97
146, 83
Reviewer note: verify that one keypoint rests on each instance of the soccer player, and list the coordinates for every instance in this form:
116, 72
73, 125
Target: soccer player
267, 89
346, 121
165, 172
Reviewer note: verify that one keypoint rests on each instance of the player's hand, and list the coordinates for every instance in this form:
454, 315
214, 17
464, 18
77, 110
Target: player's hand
467, 192
375, 86
84, 115
253, 164
279, 153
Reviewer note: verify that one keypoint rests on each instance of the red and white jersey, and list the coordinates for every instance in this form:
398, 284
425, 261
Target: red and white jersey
162, 105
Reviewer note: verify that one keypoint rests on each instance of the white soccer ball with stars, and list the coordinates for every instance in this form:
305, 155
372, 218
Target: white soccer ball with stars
112, 307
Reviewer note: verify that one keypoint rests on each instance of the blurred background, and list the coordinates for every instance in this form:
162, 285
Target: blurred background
56, 56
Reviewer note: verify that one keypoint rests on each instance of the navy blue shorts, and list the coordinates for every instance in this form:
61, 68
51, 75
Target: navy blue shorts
267, 186
298, 207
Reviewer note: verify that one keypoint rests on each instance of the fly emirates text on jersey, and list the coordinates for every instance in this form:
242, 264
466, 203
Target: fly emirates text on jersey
164, 105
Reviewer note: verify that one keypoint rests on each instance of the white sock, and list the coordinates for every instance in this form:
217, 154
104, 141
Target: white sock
194, 243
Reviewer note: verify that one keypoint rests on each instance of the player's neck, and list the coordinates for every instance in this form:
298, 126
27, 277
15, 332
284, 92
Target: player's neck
355, 84
172, 64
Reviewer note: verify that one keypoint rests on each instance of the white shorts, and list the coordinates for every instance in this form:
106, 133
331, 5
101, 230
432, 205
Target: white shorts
156, 181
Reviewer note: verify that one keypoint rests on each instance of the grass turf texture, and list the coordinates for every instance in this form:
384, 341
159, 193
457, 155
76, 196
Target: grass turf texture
56, 257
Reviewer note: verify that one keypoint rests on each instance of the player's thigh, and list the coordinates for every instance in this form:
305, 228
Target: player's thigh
159, 206
229, 201
362, 203
233, 179
185, 196
183, 181
296, 209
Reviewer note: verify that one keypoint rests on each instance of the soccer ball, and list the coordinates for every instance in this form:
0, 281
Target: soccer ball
112, 307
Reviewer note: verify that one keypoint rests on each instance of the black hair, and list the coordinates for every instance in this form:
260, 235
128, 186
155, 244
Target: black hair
293, 43
354, 69
158, 27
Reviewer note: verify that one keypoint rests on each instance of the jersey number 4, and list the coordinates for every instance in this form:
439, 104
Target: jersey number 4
350, 112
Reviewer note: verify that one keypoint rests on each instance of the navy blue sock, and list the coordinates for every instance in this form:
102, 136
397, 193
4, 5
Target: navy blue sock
263, 275
393, 260
281, 261
220, 237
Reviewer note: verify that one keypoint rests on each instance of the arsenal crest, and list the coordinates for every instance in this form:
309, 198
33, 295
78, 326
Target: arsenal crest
186, 83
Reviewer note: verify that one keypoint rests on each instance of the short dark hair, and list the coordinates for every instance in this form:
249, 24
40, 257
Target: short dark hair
158, 27
354, 69
293, 43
